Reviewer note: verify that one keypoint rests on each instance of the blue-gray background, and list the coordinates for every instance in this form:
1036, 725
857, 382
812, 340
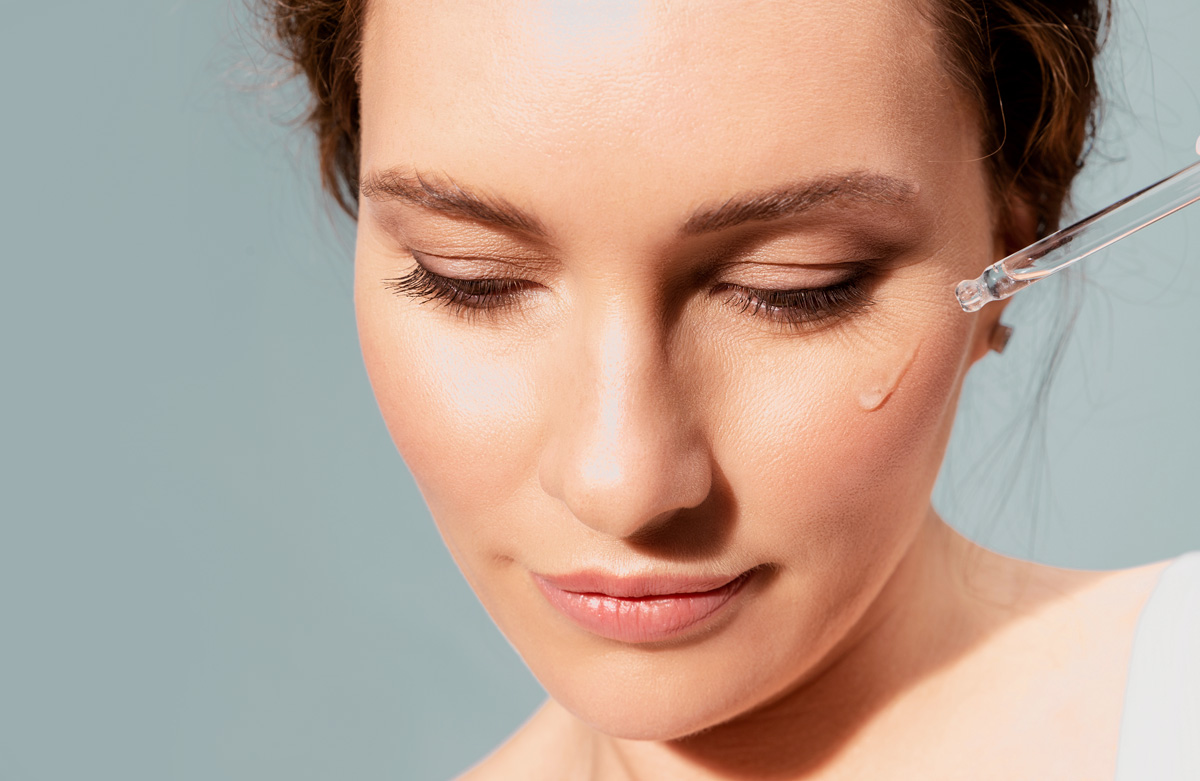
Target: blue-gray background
213, 565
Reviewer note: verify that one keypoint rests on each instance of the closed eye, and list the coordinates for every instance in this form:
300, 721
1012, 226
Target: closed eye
799, 307
802, 306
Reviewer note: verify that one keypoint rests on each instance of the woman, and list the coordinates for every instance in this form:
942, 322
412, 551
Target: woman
657, 305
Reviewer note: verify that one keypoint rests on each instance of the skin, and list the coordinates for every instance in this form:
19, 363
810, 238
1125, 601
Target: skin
624, 414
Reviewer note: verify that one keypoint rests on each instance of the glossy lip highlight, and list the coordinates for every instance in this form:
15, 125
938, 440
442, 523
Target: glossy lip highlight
642, 609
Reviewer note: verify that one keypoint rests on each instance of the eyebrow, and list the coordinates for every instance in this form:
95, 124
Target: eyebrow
445, 196
790, 200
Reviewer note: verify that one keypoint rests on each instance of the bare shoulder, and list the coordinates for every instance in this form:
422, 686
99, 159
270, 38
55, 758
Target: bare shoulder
1111, 598
1054, 672
540, 749
1085, 612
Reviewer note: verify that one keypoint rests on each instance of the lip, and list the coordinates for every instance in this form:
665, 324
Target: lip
643, 609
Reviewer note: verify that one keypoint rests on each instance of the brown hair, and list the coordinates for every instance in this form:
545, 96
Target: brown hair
1029, 65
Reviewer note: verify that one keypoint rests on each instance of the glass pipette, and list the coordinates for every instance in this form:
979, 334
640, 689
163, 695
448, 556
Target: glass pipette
1059, 250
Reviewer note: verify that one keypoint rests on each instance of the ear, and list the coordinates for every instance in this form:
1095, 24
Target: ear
987, 322
1016, 229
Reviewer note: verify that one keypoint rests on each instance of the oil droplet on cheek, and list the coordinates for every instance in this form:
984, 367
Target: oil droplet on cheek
878, 384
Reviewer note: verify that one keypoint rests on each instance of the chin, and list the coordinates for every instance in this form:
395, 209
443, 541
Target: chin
658, 698
636, 718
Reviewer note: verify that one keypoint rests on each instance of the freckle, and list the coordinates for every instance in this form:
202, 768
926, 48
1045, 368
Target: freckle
879, 384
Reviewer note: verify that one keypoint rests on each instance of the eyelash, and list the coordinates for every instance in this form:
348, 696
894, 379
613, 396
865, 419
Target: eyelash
796, 308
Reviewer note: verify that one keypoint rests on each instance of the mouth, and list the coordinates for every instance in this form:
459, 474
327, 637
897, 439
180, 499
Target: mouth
644, 609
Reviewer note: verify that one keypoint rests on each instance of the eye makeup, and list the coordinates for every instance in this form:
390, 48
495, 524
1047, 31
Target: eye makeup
803, 305
795, 307
457, 294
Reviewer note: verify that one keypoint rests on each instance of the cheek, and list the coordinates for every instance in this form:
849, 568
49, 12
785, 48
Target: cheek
832, 439
458, 414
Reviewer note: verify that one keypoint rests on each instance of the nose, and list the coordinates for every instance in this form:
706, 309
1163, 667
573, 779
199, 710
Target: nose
624, 452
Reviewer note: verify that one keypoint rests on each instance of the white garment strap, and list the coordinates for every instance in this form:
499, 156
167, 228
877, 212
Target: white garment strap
1160, 723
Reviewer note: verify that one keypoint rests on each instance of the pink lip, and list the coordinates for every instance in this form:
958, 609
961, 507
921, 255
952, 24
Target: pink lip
640, 609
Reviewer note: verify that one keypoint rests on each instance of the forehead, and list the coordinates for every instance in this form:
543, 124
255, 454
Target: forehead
659, 97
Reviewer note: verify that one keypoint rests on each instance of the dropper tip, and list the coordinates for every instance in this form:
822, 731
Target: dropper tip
972, 295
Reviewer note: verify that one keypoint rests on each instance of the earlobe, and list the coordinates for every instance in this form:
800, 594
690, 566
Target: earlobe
1000, 335
993, 336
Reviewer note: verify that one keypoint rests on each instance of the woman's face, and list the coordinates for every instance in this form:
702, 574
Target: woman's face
658, 299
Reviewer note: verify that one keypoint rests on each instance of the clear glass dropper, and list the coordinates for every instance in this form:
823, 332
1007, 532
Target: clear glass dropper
1059, 250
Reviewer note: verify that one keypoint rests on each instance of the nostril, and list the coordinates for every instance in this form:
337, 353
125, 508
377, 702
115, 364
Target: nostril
655, 529
694, 532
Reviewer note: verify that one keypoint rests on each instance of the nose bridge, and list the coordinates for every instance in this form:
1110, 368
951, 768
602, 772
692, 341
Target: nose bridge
626, 449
